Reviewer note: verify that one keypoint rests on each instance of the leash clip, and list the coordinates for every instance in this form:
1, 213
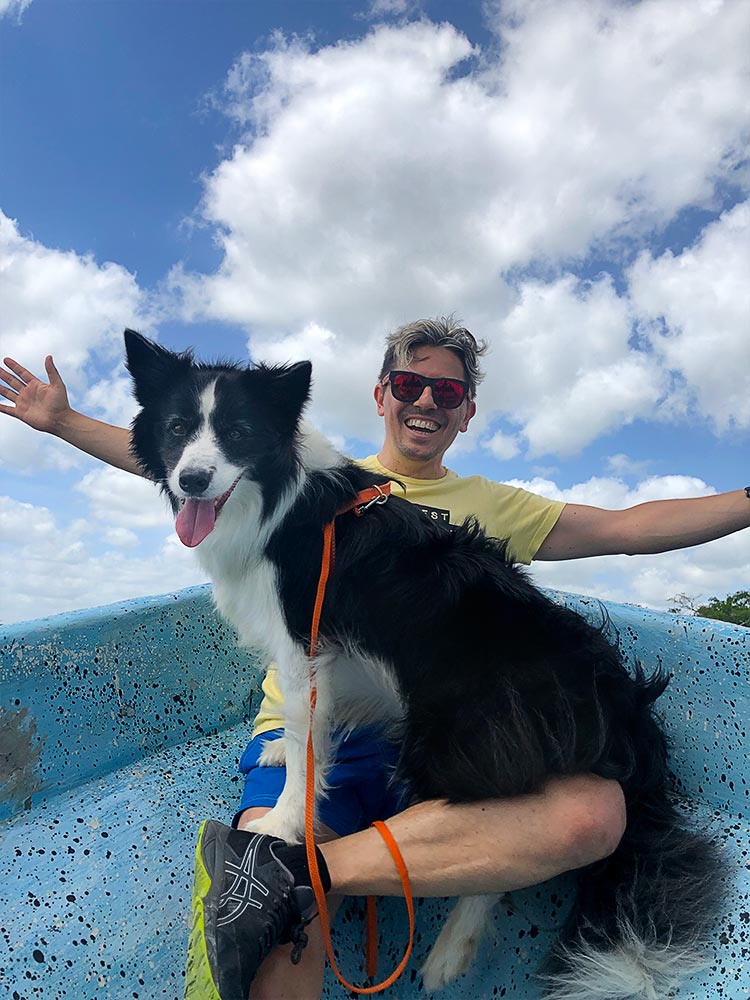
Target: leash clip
380, 498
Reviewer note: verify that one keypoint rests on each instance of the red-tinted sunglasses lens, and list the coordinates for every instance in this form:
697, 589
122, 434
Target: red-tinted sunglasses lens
407, 387
448, 393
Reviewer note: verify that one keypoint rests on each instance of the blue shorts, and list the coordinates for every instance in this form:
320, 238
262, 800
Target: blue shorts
361, 785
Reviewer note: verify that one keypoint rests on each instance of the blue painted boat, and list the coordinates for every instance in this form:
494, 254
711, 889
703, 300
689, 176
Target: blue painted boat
121, 727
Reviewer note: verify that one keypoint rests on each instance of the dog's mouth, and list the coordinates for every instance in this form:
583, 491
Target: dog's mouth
197, 518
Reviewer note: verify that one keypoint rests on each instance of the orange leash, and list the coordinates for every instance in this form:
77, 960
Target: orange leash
376, 494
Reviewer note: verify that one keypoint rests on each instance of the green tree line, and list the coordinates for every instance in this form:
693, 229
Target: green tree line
734, 608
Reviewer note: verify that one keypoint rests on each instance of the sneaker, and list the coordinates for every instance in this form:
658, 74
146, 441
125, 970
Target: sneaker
244, 904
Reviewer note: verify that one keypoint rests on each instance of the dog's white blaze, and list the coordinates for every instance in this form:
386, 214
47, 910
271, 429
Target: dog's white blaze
203, 452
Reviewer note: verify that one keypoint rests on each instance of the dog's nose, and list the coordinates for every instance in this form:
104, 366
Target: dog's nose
195, 481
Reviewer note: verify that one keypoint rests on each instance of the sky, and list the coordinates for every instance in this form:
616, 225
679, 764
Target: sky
285, 179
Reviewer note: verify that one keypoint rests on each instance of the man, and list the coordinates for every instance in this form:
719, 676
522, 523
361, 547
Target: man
449, 850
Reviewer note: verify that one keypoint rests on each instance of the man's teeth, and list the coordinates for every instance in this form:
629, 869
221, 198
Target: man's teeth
422, 425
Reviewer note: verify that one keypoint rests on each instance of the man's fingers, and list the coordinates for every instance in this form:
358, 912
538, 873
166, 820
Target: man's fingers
11, 380
10, 410
8, 393
19, 370
52, 373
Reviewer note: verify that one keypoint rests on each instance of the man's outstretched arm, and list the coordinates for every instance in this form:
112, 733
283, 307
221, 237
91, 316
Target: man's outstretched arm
45, 407
656, 526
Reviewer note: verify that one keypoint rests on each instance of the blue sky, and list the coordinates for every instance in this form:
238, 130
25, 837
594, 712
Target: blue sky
294, 179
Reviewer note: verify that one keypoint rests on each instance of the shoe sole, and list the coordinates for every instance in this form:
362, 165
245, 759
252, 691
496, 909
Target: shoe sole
200, 983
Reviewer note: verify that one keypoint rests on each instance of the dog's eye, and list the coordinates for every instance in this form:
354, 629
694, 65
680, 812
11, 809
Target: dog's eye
236, 434
178, 428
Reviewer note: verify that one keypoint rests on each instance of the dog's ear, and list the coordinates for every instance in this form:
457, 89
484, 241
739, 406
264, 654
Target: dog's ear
151, 366
288, 388
296, 380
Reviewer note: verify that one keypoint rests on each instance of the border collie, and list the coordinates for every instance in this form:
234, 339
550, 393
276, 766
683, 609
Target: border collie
492, 685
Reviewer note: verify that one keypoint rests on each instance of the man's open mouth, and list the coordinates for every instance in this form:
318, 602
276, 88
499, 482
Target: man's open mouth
197, 518
421, 425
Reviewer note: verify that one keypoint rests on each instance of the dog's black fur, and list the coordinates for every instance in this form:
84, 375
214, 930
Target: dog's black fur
501, 686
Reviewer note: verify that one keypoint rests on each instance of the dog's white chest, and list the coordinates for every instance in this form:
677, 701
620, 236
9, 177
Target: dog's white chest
251, 603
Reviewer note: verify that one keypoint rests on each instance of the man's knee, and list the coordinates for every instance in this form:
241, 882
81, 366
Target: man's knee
593, 817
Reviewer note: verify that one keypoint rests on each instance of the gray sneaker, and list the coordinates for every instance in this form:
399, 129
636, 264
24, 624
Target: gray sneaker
244, 904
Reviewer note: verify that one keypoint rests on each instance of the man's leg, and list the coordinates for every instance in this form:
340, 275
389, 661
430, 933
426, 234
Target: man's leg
277, 978
454, 850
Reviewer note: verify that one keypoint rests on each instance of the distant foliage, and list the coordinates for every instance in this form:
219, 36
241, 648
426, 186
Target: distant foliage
734, 608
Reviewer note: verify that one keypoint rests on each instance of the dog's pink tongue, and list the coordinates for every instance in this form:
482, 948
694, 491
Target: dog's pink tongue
195, 521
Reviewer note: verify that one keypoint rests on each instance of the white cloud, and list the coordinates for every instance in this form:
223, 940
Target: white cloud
121, 537
122, 500
502, 446
57, 568
343, 380
563, 367
370, 168
61, 303
711, 570
13, 8
613, 494
623, 465
378, 9
695, 309
111, 398
407, 173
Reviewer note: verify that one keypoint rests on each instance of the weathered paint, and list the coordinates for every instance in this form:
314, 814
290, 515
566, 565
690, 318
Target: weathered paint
121, 727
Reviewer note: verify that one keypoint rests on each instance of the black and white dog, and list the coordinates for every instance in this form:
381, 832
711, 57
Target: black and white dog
493, 686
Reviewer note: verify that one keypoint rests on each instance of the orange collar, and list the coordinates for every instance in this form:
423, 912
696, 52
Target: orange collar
366, 498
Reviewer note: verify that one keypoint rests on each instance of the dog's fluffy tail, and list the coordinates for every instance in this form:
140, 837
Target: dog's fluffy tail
642, 915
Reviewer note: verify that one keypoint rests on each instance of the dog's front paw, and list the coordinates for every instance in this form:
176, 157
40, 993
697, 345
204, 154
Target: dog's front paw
273, 753
279, 823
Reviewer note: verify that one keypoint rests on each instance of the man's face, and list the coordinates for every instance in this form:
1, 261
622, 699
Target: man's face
420, 432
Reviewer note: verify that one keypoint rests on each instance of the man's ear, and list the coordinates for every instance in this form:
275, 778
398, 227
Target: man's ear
379, 396
151, 366
471, 409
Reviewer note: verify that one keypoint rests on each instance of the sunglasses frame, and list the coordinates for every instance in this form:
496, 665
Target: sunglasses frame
431, 382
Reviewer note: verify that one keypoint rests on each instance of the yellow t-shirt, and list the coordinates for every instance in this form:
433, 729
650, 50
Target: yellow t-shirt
525, 519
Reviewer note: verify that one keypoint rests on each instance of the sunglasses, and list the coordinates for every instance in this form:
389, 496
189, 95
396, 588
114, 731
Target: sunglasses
407, 387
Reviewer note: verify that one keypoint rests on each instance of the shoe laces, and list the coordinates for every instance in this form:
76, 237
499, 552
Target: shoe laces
299, 939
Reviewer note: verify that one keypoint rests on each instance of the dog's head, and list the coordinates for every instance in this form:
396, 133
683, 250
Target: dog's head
205, 428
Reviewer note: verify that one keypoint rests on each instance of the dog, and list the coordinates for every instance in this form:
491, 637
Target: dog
419, 619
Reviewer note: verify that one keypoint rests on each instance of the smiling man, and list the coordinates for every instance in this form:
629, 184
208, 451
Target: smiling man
418, 431
426, 395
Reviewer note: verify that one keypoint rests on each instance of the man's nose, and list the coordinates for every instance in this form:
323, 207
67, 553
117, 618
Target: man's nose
425, 401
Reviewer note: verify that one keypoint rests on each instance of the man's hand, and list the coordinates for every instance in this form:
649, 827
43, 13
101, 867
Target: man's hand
42, 406
45, 407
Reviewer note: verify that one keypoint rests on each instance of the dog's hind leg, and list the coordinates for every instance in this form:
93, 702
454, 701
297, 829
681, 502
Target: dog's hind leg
456, 946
